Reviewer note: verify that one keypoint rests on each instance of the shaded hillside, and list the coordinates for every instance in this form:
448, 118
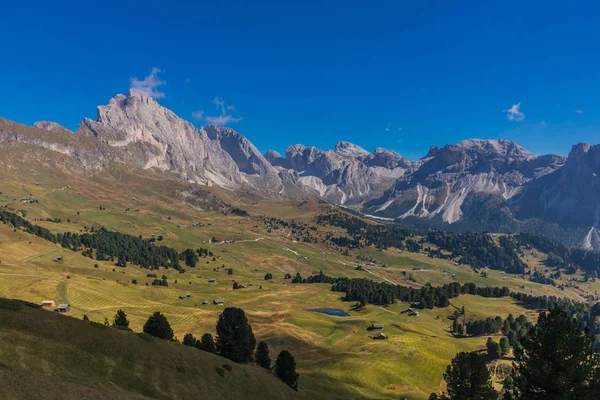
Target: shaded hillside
52, 356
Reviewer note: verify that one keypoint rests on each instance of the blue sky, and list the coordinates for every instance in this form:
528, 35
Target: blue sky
397, 74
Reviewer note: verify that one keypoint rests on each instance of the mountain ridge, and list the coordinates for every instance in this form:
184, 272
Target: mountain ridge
450, 184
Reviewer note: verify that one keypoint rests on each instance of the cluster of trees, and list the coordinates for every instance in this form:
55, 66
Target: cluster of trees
556, 360
513, 328
366, 291
488, 326
234, 341
110, 245
479, 250
587, 316
107, 245
496, 350
161, 282
362, 233
561, 256
318, 278
476, 249
540, 277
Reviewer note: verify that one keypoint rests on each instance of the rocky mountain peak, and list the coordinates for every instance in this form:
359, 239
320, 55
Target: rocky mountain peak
275, 158
581, 151
347, 149
50, 126
241, 150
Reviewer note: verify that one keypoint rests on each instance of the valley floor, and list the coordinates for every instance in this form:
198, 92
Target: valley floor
336, 356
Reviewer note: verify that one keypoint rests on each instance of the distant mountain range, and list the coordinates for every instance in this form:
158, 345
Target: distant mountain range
485, 185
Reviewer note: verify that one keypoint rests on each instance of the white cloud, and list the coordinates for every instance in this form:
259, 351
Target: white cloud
387, 128
198, 114
514, 114
222, 120
580, 112
149, 84
224, 117
542, 123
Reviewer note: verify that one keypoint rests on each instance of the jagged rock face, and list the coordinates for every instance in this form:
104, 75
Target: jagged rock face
386, 159
482, 183
50, 126
440, 183
274, 158
570, 195
347, 175
349, 150
154, 137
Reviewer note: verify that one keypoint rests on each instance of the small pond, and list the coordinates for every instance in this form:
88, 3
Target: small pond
336, 312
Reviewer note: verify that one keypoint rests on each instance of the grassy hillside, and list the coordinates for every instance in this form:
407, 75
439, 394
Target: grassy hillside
336, 356
51, 356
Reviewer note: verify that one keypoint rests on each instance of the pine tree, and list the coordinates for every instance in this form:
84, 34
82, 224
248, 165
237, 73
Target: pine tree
285, 369
158, 326
556, 362
206, 343
235, 339
493, 349
262, 355
121, 319
189, 340
504, 346
467, 377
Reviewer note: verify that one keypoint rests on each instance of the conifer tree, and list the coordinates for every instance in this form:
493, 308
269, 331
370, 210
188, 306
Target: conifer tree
262, 355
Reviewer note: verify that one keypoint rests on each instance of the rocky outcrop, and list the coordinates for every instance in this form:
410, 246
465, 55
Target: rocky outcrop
346, 175
446, 177
50, 126
475, 184
570, 195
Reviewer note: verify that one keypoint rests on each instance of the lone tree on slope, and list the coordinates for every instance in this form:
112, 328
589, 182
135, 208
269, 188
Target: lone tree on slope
262, 355
285, 369
121, 319
235, 339
158, 326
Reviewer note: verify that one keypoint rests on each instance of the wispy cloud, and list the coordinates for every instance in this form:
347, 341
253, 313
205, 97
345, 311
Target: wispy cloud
187, 80
514, 113
225, 113
580, 112
542, 123
198, 114
149, 84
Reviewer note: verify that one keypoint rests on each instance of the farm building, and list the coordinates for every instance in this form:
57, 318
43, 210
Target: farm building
63, 308
48, 303
205, 302
411, 312
218, 302
58, 258
212, 280
375, 326
380, 335
418, 269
